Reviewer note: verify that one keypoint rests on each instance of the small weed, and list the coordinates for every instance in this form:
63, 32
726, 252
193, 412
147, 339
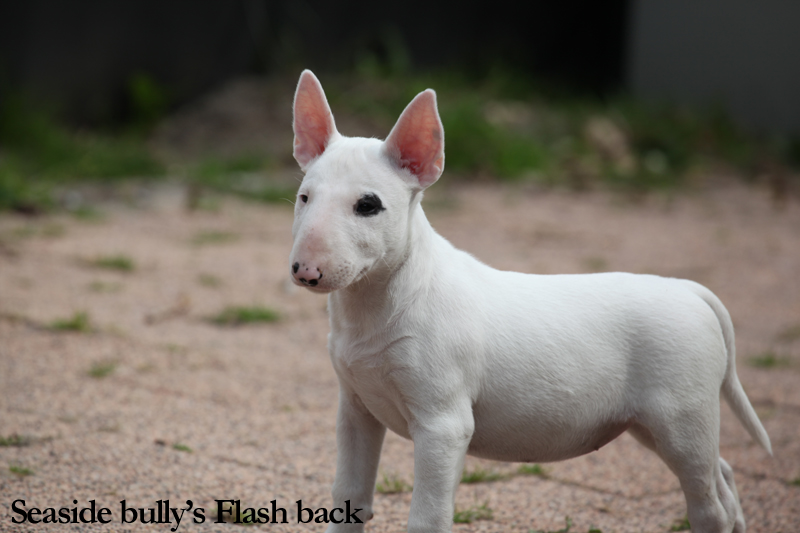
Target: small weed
768, 359
532, 470
213, 237
565, 529
105, 286
77, 322
87, 214
479, 475
476, 512
681, 525
182, 447
209, 280
99, 370
392, 484
594, 530
596, 264
120, 263
20, 471
15, 440
237, 316
795, 482
790, 334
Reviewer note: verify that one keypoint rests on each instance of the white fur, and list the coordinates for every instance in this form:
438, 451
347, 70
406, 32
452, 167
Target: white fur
465, 359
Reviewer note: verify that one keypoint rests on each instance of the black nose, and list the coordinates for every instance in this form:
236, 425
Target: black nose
295, 267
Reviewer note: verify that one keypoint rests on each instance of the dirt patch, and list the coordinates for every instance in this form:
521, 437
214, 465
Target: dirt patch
157, 401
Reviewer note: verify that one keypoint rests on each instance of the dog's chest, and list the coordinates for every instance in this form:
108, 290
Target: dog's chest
367, 372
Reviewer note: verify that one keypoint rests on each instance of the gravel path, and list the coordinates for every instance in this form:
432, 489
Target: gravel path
156, 402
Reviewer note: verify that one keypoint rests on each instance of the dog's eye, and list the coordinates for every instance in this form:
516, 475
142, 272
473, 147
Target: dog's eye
368, 205
304, 198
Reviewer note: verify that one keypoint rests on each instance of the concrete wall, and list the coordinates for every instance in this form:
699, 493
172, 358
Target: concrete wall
742, 54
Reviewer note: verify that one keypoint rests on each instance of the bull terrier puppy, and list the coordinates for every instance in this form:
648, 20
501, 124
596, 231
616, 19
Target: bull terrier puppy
465, 359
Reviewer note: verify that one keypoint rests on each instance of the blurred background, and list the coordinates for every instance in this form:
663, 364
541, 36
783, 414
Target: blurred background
631, 94
151, 343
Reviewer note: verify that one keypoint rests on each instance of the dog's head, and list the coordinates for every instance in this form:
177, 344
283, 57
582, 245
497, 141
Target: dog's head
358, 195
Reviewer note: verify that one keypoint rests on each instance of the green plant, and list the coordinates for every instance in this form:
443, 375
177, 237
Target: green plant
209, 280
681, 525
121, 263
795, 482
476, 512
149, 100
392, 484
79, 322
236, 316
479, 475
213, 237
15, 440
532, 470
105, 286
20, 471
181, 447
40, 157
102, 369
768, 359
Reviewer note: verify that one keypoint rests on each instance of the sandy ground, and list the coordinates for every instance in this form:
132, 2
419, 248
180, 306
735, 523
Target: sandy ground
190, 410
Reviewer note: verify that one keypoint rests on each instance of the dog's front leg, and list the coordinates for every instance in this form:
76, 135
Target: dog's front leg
440, 445
359, 437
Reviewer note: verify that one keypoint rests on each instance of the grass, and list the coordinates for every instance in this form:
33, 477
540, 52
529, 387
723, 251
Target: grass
120, 263
503, 125
20, 471
768, 360
213, 237
102, 369
795, 482
209, 280
392, 484
596, 264
40, 156
182, 447
532, 470
476, 512
78, 322
681, 525
15, 440
237, 316
479, 475
508, 126
105, 286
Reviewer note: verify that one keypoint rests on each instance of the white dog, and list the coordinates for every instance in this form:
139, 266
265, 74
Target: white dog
464, 359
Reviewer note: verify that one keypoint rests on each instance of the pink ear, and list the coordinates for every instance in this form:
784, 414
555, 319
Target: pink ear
416, 142
313, 121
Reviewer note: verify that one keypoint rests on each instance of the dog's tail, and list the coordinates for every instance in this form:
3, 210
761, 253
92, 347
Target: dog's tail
731, 387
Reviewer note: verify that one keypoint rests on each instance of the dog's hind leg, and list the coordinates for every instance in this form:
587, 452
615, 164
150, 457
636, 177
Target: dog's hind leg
727, 479
687, 440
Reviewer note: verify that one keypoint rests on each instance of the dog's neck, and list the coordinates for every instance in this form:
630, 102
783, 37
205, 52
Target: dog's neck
376, 300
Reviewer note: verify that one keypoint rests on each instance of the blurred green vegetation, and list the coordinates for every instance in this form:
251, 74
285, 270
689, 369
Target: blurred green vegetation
509, 126
39, 156
499, 126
